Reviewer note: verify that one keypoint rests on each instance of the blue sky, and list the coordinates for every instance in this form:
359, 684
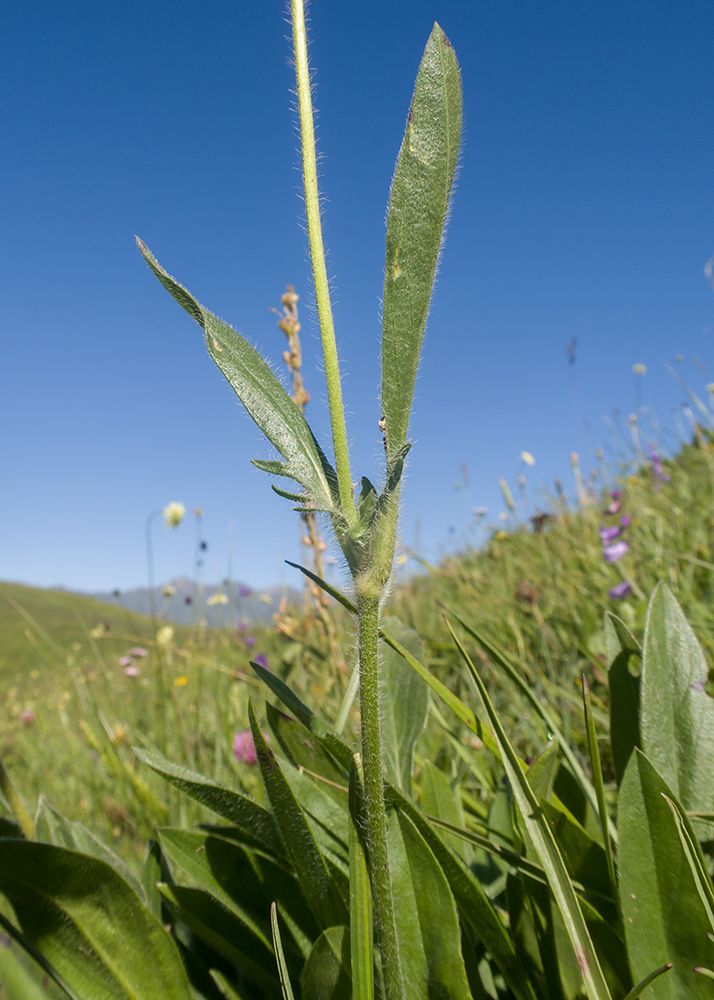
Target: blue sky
584, 208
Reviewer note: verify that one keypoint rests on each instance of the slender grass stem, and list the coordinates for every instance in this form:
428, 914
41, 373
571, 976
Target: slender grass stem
375, 810
16, 804
319, 269
150, 564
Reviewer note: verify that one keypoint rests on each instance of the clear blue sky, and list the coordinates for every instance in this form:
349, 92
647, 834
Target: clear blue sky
584, 208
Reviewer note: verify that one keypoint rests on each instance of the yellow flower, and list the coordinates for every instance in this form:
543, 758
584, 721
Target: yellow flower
181, 682
217, 599
173, 514
527, 458
169, 590
98, 631
500, 536
265, 598
639, 369
633, 480
164, 636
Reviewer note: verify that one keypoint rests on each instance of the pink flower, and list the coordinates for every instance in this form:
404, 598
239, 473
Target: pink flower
137, 651
250, 640
609, 534
27, 717
125, 661
245, 591
614, 552
625, 520
132, 671
620, 590
244, 747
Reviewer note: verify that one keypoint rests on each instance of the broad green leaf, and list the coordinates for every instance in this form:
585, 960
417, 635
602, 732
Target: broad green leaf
676, 714
361, 912
151, 875
263, 396
418, 208
282, 968
326, 975
51, 827
618, 638
695, 859
220, 928
471, 900
665, 919
624, 714
318, 886
405, 704
596, 770
18, 980
247, 814
90, 924
438, 798
242, 880
545, 848
329, 826
35, 960
426, 918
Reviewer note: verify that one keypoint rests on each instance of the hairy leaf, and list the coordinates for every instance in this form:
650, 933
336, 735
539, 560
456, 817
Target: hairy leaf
405, 704
418, 207
326, 974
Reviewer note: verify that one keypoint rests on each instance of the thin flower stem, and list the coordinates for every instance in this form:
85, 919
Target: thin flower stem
375, 810
319, 270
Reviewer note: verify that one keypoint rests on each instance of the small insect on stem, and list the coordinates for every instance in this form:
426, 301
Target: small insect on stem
383, 429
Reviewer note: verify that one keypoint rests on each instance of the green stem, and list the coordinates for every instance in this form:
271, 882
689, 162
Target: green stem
375, 811
16, 804
319, 269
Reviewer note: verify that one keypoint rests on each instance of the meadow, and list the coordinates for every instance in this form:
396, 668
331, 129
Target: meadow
492, 780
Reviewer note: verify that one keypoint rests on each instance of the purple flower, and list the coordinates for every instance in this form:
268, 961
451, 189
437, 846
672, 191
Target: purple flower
616, 497
244, 747
249, 640
27, 717
609, 534
245, 591
615, 551
132, 671
262, 661
616, 494
137, 651
620, 590
625, 520
657, 469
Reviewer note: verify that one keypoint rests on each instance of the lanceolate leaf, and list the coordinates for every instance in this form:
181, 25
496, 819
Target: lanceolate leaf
676, 714
320, 890
265, 399
361, 914
327, 971
546, 850
252, 818
418, 206
664, 916
89, 924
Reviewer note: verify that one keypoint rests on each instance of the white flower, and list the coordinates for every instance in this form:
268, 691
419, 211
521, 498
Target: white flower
217, 599
164, 636
527, 458
169, 590
173, 514
639, 369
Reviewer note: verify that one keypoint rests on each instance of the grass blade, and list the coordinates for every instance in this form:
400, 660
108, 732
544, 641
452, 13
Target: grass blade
599, 789
636, 990
361, 917
280, 957
545, 848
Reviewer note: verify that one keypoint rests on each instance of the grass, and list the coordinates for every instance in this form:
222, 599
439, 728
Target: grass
539, 595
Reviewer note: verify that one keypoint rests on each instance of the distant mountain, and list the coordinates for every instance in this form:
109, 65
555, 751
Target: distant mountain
188, 603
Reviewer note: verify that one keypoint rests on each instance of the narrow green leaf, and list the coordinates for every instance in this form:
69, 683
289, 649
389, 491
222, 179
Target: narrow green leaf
599, 788
327, 587
331, 742
220, 928
305, 751
418, 207
227, 989
76, 908
471, 900
438, 798
361, 914
151, 875
540, 707
265, 399
52, 827
546, 849
326, 974
320, 890
676, 714
635, 991
628, 643
664, 917
426, 917
16, 979
405, 704
624, 714
278, 945
252, 818
18, 938
695, 860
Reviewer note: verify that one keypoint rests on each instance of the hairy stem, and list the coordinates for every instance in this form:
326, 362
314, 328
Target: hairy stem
319, 269
375, 811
